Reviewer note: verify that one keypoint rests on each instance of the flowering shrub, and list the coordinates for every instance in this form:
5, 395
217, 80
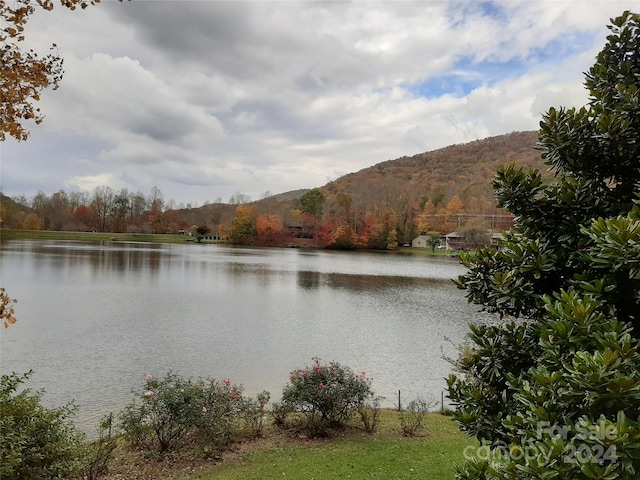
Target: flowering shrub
172, 409
219, 408
327, 394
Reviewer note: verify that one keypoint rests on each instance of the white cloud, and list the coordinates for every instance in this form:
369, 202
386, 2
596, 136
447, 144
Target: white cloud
89, 182
205, 99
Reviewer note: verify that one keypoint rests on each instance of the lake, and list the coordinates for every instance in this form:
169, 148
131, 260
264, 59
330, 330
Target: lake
95, 318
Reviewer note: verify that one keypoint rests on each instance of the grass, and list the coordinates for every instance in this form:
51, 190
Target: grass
385, 455
350, 454
7, 234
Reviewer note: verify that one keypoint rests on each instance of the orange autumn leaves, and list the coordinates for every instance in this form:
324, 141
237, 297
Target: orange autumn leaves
6, 309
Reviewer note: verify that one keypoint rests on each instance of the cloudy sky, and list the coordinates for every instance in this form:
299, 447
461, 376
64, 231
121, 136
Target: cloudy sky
204, 99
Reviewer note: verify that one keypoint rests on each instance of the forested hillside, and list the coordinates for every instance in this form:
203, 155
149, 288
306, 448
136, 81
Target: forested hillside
378, 207
439, 190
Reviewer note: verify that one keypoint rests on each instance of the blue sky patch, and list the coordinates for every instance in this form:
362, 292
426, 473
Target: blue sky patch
465, 77
460, 11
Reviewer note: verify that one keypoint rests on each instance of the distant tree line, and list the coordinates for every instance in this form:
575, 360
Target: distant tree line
318, 217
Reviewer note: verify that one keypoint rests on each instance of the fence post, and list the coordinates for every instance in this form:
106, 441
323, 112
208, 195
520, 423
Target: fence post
399, 404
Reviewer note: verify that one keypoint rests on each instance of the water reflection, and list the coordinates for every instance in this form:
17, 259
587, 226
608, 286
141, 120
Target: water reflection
93, 319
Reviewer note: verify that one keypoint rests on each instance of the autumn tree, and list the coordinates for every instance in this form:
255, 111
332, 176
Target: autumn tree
269, 228
344, 202
244, 224
23, 73
102, 202
57, 211
563, 381
422, 223
406, 209
385, 233
311, 203
84, 217
32, 222
365, 232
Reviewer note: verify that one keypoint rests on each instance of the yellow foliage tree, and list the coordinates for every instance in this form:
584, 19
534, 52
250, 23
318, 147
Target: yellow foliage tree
422, 223
455, 205
32, 222
244, 223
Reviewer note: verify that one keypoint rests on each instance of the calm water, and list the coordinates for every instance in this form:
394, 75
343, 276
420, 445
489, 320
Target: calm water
94, 319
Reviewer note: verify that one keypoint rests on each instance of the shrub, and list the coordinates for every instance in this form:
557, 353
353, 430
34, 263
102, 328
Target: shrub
171, 410
99, 453
327, 395
369, 413
219, 409
253, 413
280, 412
412, 419
35, 442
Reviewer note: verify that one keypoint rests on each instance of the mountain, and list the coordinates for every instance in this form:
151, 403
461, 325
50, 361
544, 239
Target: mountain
464, 171
443, 190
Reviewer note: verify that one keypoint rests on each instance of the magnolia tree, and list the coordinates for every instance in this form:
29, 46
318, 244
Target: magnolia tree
555, 391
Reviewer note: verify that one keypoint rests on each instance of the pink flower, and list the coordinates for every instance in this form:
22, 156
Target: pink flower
316, 368
227, 382
204, 409
148, 377
345, 400
234, 396
293, 375
149, 394
322, 384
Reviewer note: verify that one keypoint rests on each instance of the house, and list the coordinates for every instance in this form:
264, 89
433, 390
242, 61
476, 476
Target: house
454, 241
457, 241
496, 240
421, 241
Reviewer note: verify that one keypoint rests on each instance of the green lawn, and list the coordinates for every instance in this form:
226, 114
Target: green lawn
6, 234
386, 455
